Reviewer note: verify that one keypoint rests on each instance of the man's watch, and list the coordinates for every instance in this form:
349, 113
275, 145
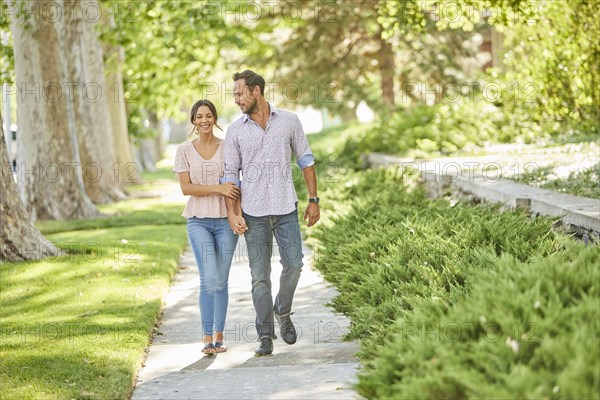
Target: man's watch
313, 200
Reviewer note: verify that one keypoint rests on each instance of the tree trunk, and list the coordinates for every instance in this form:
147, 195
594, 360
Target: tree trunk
159, 140
386, 70
114, 58
137, 154
497, 48
86, 68
49, 169
19, 238
147, 153
348, 115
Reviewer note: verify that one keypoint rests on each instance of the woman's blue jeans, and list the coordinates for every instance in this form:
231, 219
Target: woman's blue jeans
259, 240
213, 243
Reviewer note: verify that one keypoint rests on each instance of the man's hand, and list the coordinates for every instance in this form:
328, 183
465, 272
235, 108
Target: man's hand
312, 213
237, 224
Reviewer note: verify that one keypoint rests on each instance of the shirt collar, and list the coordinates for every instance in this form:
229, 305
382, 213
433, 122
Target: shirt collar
274, 111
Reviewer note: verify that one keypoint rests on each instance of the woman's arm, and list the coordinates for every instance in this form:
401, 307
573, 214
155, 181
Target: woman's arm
227, 189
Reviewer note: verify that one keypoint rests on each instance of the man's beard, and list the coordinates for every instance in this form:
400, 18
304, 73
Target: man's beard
251, 108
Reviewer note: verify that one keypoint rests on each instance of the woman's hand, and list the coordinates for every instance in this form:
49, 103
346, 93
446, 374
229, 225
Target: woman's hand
229, 189
237, 224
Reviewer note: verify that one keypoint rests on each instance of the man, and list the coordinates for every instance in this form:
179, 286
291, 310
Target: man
260, 145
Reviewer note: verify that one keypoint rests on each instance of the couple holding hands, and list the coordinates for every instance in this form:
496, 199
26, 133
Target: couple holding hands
221, 207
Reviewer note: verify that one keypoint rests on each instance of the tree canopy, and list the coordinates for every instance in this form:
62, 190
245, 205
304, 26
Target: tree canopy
335, 54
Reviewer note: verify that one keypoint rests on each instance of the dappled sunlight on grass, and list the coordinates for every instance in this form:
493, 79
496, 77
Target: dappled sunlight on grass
136, 205
75, 326
152, 182
127, 213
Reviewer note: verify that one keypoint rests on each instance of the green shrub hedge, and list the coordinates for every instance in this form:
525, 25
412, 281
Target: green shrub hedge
526, 330
441, 129
401, 262
448, 129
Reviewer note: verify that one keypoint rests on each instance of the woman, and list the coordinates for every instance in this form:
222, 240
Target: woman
199, 165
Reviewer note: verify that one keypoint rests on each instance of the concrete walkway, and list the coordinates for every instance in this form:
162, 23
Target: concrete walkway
318, 366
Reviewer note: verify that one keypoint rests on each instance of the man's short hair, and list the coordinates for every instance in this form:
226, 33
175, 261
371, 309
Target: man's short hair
252, 79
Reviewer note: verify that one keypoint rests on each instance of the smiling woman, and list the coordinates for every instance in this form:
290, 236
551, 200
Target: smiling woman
198, 165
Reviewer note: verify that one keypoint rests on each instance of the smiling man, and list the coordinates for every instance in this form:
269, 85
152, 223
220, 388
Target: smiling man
260, 145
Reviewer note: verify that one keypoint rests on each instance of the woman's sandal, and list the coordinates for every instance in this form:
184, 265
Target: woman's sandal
220, 347
209, 349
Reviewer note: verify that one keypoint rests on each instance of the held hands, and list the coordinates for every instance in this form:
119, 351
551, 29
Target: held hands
312, 213
237, 224
229, 189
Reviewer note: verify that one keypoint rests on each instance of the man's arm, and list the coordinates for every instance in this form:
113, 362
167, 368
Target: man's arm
306, 162
233, 161
312, 213
234, 215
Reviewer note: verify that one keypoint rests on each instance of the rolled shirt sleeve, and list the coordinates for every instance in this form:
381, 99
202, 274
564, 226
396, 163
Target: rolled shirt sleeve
300, 146
306, 160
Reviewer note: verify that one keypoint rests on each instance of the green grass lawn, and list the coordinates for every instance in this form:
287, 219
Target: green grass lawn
153, 180
76, 326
